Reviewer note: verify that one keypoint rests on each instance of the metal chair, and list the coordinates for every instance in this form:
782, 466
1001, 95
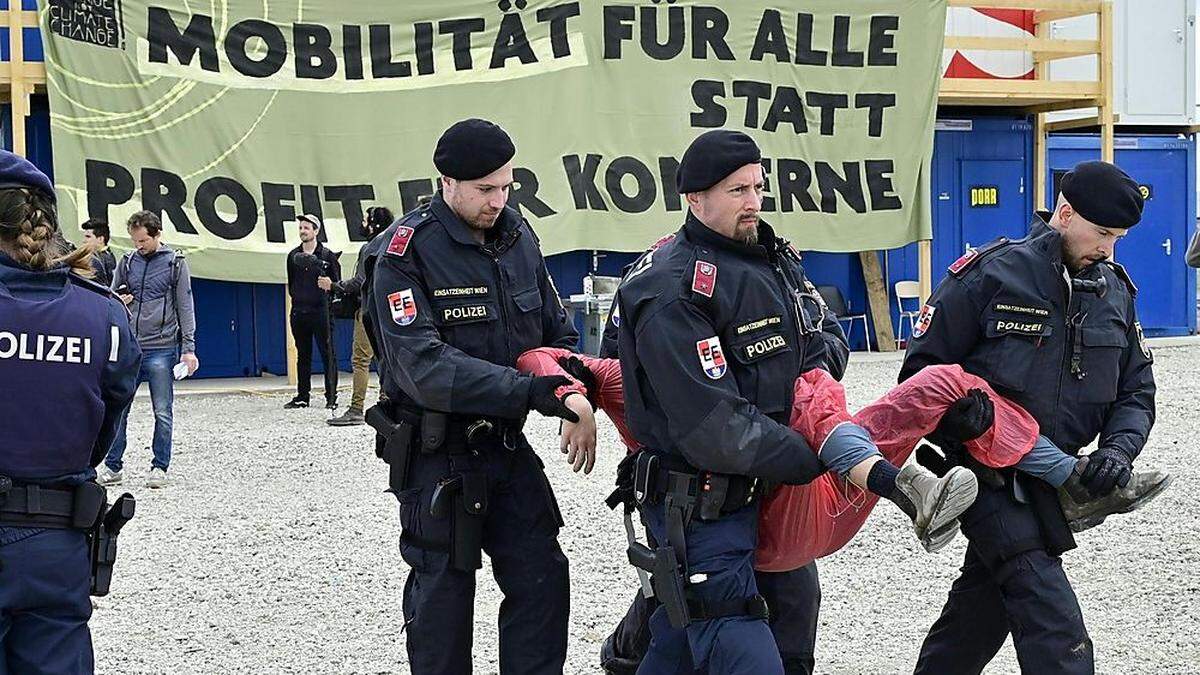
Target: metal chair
837, 303
907, 290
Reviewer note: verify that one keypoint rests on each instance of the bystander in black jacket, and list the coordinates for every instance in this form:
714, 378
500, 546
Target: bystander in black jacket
302, 279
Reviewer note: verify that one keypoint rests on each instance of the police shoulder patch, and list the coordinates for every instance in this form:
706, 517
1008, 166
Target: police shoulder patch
401, 238
1142, 344
712, 357
403, 306
974, 255
704, 278
924, 321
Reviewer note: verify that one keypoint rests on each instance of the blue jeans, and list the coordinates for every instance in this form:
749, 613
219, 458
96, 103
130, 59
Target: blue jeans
1047, 462
156, 369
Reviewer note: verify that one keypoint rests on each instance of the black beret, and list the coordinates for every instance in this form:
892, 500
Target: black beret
1103, 194
713, 156
18, 172
472, 149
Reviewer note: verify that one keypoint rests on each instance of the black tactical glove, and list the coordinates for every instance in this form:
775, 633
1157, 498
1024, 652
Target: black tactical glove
929, 458
543, 399
1106, 469
967, 419
576, 369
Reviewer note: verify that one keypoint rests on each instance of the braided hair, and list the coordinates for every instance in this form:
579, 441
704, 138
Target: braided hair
29, 233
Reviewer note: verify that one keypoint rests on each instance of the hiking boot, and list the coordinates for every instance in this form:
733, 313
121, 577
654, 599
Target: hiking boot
1083, 511
937, 502
352, 417
296, 403
107, 476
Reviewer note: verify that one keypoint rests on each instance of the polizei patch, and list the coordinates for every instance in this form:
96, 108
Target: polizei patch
712, 357
1036, 328
403, 306
762, 348
1142, 344
465, 313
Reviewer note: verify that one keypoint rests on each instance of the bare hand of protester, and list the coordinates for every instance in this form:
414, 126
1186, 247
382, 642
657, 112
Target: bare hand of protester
193, 363
325, 283
126, 298
579, 438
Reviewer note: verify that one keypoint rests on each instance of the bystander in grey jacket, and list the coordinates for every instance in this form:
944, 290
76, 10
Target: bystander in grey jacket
162, 308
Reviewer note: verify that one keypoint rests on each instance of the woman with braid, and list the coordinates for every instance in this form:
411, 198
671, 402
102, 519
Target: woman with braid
67, 367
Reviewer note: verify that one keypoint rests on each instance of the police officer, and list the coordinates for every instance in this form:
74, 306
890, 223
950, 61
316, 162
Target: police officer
1049, 321
794, 597
711, 339
459, 291
66, 347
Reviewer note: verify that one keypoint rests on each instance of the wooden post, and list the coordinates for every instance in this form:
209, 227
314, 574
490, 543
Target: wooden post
1041, 72
293, 377
925, 268
18, 96
1105, 31
877, 296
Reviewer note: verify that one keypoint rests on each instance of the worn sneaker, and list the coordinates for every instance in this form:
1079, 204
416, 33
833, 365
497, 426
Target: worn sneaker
1083, 511
107, 476
938, 502
352, 417
156, 478
296, 403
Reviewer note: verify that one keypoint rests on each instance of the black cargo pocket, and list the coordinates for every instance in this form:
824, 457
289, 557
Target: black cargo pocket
764, 381
528, 300
551, 500
1103, 347
412, 534
1012, 344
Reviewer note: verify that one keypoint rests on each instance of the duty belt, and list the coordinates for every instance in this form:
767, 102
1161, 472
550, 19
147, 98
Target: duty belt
685, 492
58, 508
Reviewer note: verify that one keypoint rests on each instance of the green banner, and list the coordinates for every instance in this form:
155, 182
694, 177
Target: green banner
231, 117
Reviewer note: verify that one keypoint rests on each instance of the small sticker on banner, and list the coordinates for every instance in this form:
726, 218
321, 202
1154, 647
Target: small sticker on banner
923, 321
403, 306
704, 280
712, 357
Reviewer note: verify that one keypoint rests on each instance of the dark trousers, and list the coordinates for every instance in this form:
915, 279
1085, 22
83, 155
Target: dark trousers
309, 326
1008, 584
794, 599
44, 603
520, 537
723, 552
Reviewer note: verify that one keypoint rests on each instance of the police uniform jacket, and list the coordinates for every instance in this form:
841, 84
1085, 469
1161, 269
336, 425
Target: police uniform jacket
712, 336
68, 364
451, 315
837, 346
1078, 362
1075, 359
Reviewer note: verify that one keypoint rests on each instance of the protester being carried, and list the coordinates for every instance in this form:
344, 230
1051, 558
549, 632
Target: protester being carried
800, 523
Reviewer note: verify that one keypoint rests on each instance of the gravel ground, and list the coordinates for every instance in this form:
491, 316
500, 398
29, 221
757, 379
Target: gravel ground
274, 549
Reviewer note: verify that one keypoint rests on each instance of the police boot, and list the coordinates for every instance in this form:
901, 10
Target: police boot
1083, 511
937, 502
